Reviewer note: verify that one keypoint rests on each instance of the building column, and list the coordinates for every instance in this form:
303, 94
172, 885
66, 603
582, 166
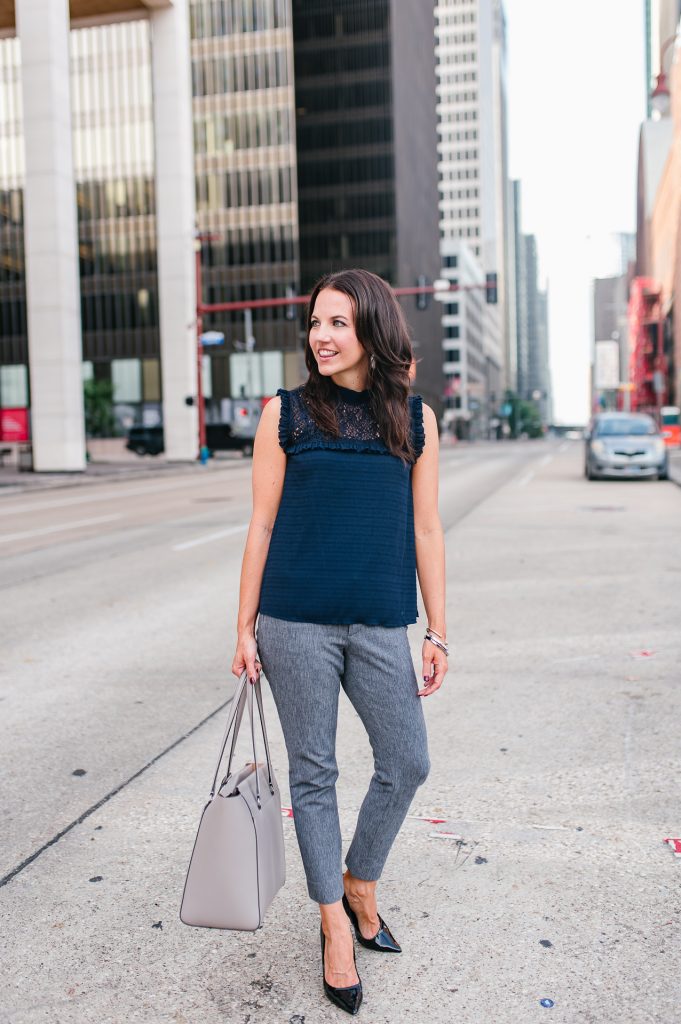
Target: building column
175, 225
51, 239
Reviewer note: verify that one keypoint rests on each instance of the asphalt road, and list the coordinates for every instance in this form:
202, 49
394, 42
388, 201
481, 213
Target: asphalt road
553, 743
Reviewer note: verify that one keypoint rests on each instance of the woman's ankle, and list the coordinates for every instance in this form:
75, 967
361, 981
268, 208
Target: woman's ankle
334, 919
357, 887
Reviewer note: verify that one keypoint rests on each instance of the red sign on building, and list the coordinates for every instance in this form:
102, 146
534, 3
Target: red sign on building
13, 424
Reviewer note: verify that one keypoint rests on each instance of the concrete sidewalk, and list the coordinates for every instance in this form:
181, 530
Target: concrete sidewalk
554, 758
15, 481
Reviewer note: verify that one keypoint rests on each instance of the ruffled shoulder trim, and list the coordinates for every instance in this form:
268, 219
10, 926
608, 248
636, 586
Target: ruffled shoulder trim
284, 417
344, 444
418, 434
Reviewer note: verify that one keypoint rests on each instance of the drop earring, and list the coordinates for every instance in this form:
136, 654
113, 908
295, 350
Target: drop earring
372, 362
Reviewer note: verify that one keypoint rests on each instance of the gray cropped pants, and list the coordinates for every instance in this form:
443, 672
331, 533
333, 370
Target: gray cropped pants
305, 664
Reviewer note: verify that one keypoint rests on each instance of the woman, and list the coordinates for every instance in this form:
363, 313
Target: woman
345, 513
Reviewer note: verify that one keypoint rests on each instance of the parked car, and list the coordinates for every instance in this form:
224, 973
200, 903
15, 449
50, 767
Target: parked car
220, 437
625, 444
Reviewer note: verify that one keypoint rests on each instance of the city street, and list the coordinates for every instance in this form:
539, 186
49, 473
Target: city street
544, 892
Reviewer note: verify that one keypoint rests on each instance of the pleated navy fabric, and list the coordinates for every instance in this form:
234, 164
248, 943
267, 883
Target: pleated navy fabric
342, 548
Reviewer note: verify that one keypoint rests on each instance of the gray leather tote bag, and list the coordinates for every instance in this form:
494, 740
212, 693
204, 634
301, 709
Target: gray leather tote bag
237, 865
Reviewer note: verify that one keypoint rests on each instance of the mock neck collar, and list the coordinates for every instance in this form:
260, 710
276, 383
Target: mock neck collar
348, 395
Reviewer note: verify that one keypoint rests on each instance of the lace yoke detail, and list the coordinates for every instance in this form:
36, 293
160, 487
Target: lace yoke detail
358, 428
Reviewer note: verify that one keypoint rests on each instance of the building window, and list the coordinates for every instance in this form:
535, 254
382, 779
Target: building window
14, 386
126, 378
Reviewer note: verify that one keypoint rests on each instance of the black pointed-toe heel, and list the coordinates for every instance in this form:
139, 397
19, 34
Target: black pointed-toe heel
348, 998
383, 940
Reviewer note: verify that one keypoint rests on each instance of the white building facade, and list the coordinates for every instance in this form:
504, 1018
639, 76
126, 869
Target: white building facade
474, 197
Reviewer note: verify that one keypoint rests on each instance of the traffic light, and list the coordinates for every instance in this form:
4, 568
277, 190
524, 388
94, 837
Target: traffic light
491, 288
422, 297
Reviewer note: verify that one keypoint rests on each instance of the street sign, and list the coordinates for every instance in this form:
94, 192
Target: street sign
212, 338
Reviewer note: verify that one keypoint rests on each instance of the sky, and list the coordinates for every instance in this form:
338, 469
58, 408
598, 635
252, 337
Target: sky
576, 98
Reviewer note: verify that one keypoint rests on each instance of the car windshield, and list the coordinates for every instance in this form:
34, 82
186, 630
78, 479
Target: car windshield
626, 426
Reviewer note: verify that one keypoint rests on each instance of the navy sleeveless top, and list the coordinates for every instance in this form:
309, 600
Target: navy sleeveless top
342, 548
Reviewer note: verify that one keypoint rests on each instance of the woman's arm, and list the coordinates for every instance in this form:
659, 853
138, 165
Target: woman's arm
269, 468
430, 549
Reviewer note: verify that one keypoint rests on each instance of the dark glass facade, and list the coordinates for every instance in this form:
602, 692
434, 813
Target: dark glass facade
367, 153
245, 161
344, 132
12, 275
112, 112
113, 164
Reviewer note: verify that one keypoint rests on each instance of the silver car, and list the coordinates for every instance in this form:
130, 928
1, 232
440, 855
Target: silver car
627, 444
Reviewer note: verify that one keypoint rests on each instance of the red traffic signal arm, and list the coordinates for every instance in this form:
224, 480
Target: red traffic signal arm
301, 300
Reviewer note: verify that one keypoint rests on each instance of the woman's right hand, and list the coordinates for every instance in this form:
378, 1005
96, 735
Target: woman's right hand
246, 657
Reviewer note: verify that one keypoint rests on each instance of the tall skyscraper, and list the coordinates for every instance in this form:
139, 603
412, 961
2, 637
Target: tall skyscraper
367, 161
474, 190
246, 186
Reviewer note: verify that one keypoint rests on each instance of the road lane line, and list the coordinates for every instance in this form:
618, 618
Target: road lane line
5, 538
209, 537
524, 480
108, 796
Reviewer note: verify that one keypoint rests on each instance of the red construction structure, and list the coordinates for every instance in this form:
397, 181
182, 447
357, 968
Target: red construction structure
647, 360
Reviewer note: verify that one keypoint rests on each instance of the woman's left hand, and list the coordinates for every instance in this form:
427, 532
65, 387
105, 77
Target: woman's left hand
434, 668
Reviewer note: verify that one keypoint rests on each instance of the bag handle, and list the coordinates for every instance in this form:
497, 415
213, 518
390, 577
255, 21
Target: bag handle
236, 711
261, 715
261, 712
243, 697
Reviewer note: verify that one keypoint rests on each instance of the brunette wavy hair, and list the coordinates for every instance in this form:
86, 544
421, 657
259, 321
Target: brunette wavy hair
382, 330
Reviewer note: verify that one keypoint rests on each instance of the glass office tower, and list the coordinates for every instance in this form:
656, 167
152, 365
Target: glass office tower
113, 148
245, 159
114, 170
245, 162
13, 343
346, 170
367, 153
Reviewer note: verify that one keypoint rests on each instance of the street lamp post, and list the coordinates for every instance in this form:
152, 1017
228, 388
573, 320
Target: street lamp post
249, 346
659, 98
203, 450
199, 238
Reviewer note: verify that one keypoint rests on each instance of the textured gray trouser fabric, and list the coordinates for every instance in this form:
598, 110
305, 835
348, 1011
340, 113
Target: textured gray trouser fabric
305, 665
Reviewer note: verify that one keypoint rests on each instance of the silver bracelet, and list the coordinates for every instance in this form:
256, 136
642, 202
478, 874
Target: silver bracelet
437, 643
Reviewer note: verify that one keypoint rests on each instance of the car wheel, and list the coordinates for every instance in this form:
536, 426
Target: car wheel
590, 475
140, 449
663, 473
247, 450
